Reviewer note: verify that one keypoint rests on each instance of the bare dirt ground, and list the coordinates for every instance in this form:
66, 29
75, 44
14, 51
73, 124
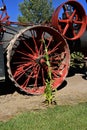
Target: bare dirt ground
72, 91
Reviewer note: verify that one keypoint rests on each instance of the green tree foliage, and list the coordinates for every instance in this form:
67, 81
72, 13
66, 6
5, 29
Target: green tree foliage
35, 11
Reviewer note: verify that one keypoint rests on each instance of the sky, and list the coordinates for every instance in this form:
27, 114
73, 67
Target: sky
13, 8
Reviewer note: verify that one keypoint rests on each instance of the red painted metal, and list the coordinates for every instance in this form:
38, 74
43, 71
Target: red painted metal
70, 19
86, 22
4, 19
27, 65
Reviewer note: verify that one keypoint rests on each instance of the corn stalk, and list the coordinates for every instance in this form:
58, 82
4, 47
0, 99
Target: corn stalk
48, 90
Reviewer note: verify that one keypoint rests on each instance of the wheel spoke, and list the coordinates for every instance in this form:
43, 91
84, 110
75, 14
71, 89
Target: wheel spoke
41, 49
25, 54
77, 22
32, 73
34, 34
50, 41
19, 63
36, 48
67, 14
24, 85
65, 29
55, 48
63, 21
29, 47
43, 78
72, 15
24, 65
21, 71
36, 74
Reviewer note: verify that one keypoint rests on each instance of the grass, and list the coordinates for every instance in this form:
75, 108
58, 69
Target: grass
56, 118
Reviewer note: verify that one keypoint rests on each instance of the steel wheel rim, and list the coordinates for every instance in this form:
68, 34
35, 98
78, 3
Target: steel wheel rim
27, 64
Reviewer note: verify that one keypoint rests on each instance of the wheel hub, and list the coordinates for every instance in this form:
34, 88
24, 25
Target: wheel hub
40, 60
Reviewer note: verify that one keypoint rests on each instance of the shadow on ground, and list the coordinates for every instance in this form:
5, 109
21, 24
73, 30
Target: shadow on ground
9, 88
6, 88
63, 85
73, 71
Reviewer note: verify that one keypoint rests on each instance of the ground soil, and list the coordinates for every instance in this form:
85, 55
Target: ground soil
72, 91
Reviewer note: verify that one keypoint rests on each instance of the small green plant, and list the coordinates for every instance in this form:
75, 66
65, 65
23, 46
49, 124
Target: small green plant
48, 90
77, 60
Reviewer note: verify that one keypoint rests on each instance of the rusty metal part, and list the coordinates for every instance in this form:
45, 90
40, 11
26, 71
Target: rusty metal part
70, 19
26, 58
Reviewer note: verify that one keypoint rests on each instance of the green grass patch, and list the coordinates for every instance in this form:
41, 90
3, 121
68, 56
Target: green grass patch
56, 118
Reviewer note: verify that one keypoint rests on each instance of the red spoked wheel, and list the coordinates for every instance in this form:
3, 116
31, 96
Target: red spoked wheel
70, 19
26, 58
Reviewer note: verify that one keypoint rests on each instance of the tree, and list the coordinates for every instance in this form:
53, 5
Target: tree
35, 11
